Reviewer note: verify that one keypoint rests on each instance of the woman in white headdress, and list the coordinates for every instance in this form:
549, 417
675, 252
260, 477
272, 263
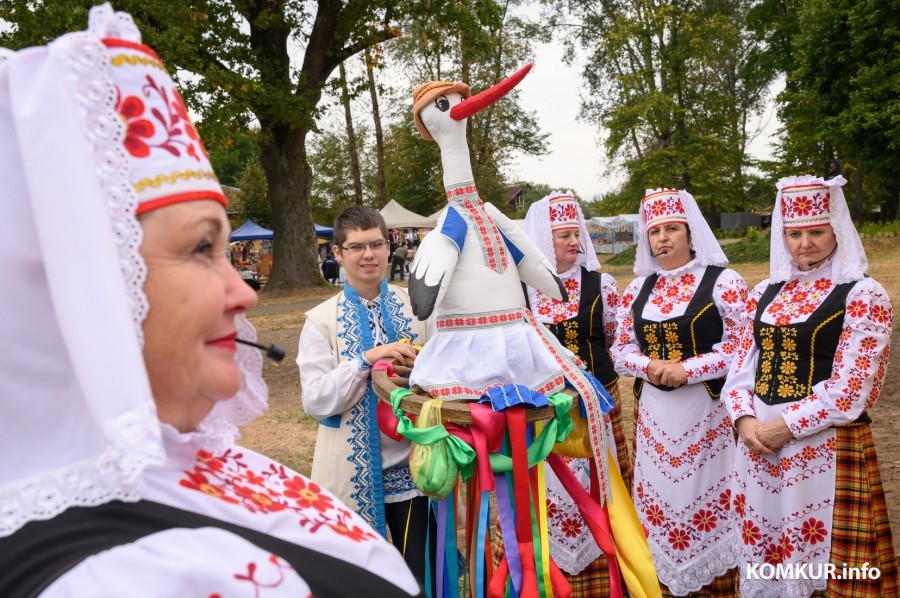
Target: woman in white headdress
121, 384
586, 325
811, 362
678, 323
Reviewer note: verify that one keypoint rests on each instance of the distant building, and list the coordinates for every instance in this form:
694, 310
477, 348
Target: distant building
513, 197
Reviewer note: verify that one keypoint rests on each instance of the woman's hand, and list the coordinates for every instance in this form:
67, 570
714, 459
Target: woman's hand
402, 352
673, 374
655, 369
747, 427
774, 434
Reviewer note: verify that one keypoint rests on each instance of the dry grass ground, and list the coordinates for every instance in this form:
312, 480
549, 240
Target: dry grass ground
287, 434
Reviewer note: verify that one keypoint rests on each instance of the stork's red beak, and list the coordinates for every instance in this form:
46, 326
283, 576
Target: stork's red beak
487, 97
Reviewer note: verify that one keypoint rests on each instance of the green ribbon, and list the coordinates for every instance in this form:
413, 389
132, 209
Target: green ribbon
461, 453
555, 430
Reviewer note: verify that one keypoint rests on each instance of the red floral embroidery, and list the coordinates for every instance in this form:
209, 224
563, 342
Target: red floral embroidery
773, 554
740, 504
655, 515
750, 533
669, 293
137, 128
725, 500
571, 526
679, 539
813, 531
705, 520
227, 477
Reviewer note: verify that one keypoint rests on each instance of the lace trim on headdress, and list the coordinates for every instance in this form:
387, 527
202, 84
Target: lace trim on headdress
701, 572
219, 430
849, 262
133, 439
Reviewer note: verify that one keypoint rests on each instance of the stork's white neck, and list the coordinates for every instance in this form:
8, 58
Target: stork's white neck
456, 162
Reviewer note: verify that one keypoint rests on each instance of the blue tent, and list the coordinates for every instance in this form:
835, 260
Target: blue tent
249, 231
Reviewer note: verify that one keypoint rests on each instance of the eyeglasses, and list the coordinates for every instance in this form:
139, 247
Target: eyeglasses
357, 248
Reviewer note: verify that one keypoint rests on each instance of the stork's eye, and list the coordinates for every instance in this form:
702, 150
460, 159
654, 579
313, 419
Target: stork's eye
442, 103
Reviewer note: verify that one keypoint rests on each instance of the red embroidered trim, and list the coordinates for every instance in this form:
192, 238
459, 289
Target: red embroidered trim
482, 320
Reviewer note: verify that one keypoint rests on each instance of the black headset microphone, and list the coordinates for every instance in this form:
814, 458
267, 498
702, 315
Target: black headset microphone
810, 264
273, 352
661, 252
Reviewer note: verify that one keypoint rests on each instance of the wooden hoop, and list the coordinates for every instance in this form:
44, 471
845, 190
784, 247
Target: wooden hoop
454, 412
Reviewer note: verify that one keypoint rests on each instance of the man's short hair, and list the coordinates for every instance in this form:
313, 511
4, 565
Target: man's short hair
356, 218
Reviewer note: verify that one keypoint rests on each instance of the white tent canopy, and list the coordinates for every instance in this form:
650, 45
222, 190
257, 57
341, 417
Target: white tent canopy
396, 216
612, 234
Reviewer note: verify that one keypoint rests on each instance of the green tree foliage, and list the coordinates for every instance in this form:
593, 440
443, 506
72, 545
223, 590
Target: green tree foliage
254, 200
229, 152
841, 96
238, 68
333, 185
412, 168
674, 84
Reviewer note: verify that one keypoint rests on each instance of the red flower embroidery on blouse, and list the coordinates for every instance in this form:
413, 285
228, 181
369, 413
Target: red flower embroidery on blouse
857, 309
740, 501
787, 547
571, 526
880, 313
731, 296
307, 495
354, 532
197, 481
813, 531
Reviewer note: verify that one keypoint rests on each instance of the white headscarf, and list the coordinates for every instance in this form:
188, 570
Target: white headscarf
849, 262
78, 422
555, 212
679, 206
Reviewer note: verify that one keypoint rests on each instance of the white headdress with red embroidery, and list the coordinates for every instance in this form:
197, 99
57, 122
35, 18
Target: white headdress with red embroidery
558, 211
662, 206
806, 202
92, 132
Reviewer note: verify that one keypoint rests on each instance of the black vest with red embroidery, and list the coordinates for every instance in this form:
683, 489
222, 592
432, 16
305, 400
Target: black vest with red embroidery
584, 334
795, 357
688, 335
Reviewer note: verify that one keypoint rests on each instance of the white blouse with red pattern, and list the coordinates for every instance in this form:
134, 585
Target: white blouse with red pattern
548, 310
244, 488
859, 362
670, 297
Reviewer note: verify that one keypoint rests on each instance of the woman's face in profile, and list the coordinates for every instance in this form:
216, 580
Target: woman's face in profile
194, 295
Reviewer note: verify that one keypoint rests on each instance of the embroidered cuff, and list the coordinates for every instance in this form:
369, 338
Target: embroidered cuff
364, 363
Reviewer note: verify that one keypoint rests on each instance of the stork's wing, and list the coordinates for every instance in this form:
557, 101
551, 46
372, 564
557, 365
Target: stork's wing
534, 269
434, 264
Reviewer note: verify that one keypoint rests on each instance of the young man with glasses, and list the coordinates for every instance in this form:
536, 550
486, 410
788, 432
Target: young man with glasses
340, 341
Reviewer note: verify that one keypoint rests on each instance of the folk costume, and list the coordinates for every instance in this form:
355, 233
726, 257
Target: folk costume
585, 324
99, 497
684, 445
814, 354
365, 468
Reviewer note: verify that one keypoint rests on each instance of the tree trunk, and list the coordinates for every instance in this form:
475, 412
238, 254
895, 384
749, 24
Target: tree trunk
379, 136
351, 138
290, 190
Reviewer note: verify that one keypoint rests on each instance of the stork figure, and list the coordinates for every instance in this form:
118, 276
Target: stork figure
468, 272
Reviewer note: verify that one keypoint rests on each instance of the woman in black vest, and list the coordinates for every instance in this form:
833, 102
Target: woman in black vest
120, 402
677, 332
585, 324
811, 362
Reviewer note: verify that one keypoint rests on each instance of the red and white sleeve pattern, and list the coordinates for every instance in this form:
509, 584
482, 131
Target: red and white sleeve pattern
625, 351
859, 365
730, 297
738, 391
609, 292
